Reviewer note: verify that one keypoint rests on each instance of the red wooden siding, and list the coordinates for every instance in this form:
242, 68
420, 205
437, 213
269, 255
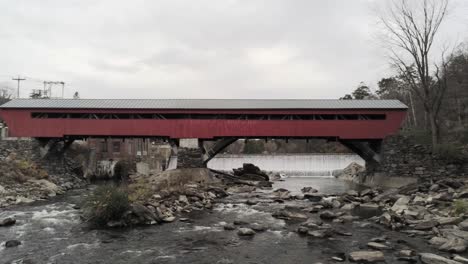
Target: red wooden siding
21, 124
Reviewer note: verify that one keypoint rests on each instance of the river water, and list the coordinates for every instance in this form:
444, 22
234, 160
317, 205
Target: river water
290, 164
52, 232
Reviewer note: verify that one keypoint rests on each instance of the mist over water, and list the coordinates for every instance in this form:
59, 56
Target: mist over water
294, 165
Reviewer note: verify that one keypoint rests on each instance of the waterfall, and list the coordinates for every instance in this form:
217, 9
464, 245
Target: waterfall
290, 164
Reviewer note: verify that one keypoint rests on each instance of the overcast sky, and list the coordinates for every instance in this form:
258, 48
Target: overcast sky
198, 48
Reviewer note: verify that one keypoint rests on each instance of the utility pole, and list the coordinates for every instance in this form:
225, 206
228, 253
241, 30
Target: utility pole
19, 80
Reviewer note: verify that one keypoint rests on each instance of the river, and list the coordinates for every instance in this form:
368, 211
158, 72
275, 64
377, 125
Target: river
290, 164
52, 232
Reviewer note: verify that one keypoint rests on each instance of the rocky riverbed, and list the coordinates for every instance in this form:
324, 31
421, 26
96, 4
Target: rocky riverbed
418, 224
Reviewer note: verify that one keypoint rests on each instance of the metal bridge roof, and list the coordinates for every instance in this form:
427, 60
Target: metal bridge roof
203, 104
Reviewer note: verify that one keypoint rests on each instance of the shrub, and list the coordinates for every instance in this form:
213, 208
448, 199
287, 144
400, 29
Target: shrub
460, 207
450, 152
106, 203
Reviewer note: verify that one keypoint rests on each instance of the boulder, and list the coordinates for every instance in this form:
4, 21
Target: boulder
324, 233
12, 243
463, 225
438, 241
258, 227
460, 259
143, 214
302, 230
448, 220
349, 206
366, 256
426, 225
401, 204
308, 190
328, 215
229, 227
9, 221
251, 172
312, 223
243, 231
288, 214
429, 258
313, 197
378, 246
454, 245
169, 219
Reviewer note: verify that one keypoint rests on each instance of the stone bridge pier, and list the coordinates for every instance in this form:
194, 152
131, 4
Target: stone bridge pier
192, 153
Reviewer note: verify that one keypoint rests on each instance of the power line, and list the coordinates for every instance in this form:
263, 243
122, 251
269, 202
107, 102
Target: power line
19, 80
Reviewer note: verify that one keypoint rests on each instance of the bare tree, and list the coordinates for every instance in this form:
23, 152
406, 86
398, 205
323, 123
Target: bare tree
411, 28
6, 93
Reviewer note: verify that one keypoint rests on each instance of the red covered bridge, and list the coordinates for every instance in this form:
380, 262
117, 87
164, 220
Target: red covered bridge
359, 124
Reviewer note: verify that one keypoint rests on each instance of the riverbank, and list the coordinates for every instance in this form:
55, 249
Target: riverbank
254, 225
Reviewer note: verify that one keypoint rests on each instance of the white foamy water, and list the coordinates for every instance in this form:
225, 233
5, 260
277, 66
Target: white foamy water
291, 164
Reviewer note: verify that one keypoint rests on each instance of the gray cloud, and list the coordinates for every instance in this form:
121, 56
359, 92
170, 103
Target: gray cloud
201, 49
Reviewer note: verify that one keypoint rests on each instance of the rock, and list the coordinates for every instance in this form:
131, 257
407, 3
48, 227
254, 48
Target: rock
460, 259
349, 206
8, 221
352, 193
401, 204
2, 190
366, 256
312, 223
143, 214
438, 241
251, 202
378, 246
240, 222
336, 204
379, 239
366, 192
429, 258
258, 227
337, 259
419, 200
243, 231
115, 224
328, 215
313, 197
463, 225
168, 219
320, 233
308, 190
434, 187
21, 199
302, 230
454, 245
386, 219
229, 227
341, 232
299, 197
426, 225
448, 220
50, 187
288, 214
12, 243
407, 255
183, 199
